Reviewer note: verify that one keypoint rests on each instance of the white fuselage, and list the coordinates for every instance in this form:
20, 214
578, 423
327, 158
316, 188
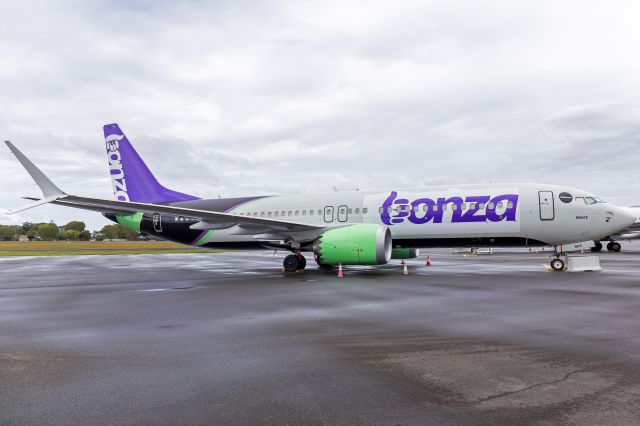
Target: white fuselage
489, 214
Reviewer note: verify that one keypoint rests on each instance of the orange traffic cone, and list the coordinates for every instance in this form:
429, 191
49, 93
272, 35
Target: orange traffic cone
404, 269
340, 270
428, 260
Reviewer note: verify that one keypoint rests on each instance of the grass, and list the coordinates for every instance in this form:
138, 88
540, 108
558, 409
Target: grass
82, 248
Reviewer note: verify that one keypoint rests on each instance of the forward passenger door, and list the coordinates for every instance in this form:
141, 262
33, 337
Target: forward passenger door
547, 211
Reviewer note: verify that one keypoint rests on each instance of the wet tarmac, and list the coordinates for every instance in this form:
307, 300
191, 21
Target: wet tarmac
229, 339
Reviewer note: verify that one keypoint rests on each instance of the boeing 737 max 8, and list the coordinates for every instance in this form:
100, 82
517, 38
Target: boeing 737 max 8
351, 228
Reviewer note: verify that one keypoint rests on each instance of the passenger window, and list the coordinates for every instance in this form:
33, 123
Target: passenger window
490, 205
297, 212
261, 214
290, 212
349, 211
269, 214
357, 210
319, 212
304, 212
463, 206
500, 205
424, 207
481, 206
510, 205
364, 210
454, 207
472, 206
276, 214
282, 214
444, 207
389, 210
310, 212
380, 210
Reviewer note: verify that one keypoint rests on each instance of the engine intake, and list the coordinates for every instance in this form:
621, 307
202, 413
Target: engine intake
361, 244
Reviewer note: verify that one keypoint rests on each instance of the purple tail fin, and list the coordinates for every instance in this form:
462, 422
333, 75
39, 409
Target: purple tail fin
132, 180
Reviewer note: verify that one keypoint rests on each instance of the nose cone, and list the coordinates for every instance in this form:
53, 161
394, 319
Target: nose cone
623, 218
628, 216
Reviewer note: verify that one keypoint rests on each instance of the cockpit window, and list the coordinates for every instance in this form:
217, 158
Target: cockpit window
580, 200
593, 200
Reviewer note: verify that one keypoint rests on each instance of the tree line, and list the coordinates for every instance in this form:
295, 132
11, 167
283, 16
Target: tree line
72, 231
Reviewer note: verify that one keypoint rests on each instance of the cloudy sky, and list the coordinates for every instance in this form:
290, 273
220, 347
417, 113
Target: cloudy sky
247, 98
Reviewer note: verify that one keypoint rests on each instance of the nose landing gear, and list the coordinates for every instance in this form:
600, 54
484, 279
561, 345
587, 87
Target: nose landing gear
557, 264
294, 262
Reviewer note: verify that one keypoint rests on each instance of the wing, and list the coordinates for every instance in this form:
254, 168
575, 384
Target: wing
258, 227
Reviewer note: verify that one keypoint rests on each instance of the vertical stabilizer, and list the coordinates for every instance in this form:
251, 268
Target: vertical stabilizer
131, 178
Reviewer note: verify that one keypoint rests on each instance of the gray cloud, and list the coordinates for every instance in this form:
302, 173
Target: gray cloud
233, 98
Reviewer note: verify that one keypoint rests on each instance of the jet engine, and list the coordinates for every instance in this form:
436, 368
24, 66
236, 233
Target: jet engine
404, 253
360, 244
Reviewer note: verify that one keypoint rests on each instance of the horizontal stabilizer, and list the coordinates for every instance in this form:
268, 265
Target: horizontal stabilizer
36, 204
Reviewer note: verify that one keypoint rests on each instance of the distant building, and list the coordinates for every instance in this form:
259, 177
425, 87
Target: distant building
23, 238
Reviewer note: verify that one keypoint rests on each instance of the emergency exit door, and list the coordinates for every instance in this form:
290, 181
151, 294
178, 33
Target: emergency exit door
547, 211
328, 214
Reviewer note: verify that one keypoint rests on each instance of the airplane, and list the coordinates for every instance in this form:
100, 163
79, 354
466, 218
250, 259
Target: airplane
630, 233
342, 228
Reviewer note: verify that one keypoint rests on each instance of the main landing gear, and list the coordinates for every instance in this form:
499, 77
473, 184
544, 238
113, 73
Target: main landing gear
614, 246
557, 264
294, 262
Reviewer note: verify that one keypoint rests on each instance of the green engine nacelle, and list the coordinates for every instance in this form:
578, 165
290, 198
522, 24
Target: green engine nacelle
362, 244
404, 253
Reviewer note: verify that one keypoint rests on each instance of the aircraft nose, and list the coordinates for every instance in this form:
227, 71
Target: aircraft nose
623, 218
627, 217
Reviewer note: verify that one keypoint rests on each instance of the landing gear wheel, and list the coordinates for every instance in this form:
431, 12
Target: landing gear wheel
614, 247
609, 246
557, 264
597, 247
291, 263
302, 262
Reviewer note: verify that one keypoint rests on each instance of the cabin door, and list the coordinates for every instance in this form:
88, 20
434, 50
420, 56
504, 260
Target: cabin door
547, 211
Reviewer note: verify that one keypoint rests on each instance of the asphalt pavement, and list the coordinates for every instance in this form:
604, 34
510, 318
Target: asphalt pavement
230, 339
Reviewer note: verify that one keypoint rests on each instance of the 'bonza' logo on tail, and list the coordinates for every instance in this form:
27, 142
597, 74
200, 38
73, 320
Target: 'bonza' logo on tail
115, 167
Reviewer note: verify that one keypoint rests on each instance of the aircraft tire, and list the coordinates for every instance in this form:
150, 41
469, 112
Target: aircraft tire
597, 247
615, 247
302, 262
557, 264
291, 263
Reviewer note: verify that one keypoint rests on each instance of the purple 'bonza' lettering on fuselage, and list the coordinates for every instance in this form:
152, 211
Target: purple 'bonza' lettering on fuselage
470, 215
423, 210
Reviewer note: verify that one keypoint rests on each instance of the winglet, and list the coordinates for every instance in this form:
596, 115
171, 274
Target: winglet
49, 189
